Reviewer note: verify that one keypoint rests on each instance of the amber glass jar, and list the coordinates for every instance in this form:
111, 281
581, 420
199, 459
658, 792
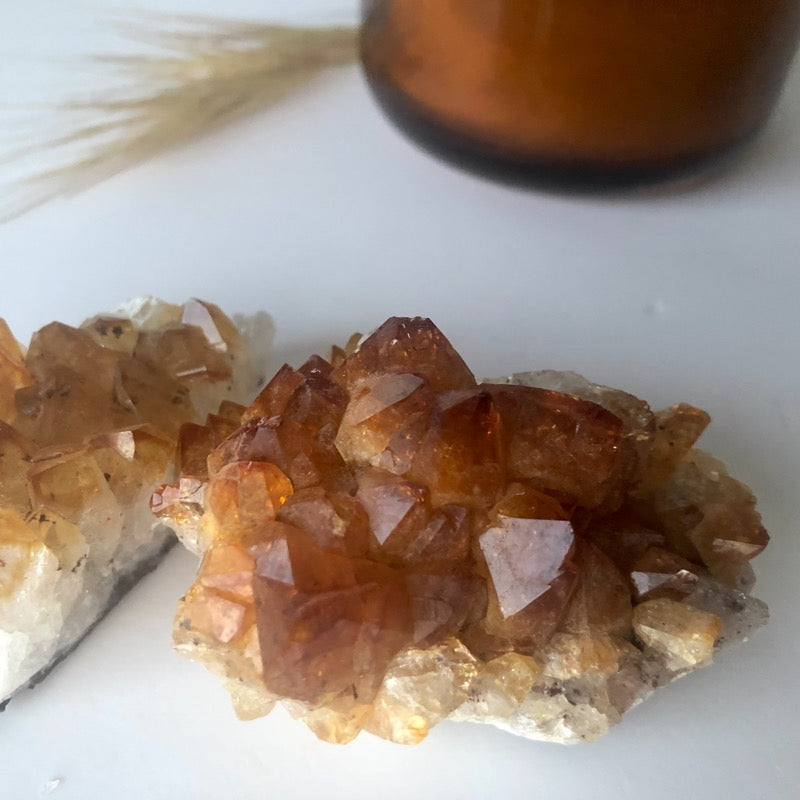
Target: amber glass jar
582, 93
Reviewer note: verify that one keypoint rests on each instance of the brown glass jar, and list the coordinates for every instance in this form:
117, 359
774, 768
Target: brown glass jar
580, 93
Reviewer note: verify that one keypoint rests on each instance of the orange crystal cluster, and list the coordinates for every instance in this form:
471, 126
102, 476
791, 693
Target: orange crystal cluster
89, 419
387, 542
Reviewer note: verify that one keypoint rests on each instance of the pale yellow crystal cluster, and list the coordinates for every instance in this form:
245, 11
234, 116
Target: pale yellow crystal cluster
89, 419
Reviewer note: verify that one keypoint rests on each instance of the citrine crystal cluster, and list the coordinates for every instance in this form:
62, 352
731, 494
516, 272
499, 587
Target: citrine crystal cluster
89, 419
387, 543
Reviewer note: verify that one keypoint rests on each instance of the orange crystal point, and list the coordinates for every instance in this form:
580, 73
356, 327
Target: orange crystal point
397, 509
389, 543
334, 520
293, 424
709, 516
245, 495
676, 430
562, 445
326, 623
460, 458
275, 395
601, 602
218, 330
13, 374
524, 557
385, 420
661, 573
403, 345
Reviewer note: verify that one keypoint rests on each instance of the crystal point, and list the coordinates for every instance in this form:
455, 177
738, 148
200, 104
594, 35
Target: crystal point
524, 557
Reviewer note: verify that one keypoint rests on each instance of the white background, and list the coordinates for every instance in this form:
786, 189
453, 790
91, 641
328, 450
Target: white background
322, 214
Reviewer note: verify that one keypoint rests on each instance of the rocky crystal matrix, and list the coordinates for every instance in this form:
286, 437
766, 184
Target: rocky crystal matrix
387, 543
89, 419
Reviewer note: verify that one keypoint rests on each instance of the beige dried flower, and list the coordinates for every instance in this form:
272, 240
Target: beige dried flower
207, 72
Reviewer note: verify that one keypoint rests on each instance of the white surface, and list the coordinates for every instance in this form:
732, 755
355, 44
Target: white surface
321, 213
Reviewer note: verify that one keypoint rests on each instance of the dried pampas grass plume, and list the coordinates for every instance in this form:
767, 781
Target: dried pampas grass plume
206, 73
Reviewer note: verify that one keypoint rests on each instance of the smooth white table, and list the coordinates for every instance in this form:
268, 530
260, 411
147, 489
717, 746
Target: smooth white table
321, 213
